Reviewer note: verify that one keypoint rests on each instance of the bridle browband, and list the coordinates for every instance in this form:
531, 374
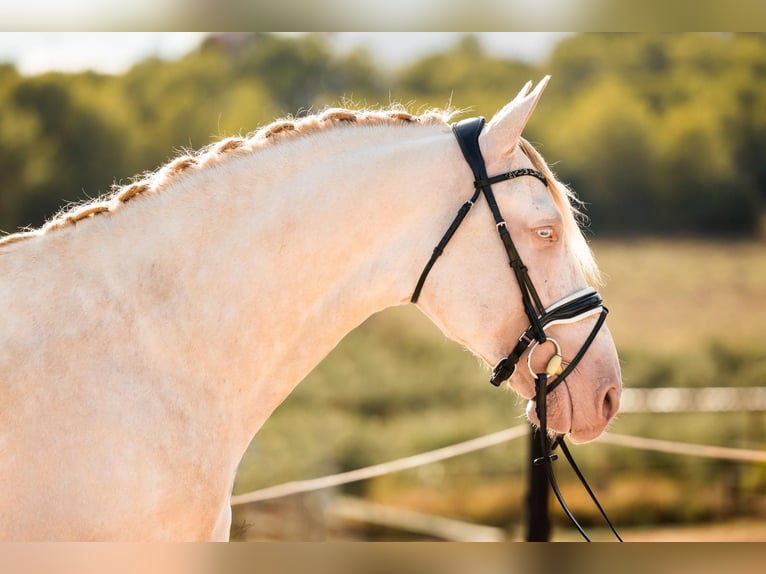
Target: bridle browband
575, 307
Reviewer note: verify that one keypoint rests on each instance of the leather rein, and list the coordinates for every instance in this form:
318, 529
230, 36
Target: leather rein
575, 307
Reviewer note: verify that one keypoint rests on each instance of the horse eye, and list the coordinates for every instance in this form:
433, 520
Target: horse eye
545, 233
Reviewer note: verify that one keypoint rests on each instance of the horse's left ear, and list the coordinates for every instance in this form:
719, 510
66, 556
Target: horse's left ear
502, 133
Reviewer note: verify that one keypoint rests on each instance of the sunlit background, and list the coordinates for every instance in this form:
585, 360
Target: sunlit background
662, 135
394, 15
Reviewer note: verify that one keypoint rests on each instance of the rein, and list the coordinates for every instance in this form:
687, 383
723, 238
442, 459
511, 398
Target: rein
575, 307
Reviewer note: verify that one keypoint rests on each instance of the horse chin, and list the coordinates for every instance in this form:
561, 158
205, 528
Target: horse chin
559, 413
560, 421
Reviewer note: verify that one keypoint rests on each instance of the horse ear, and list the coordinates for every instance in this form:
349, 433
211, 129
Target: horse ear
502, 133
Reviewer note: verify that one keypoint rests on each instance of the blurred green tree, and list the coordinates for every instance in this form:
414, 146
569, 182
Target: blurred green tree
465, 76
699, 189
606, 145
659, 133
77, 148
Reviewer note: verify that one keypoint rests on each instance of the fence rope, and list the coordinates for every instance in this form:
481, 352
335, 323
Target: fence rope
687, 448
700, 400
349, 508
397, 465
509, 434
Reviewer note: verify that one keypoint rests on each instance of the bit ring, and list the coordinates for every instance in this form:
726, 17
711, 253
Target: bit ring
553, 367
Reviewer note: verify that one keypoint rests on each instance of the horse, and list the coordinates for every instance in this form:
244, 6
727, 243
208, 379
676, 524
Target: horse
147, 335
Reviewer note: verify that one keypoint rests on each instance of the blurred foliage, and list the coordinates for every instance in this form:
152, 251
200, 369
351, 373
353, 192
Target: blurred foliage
657, 133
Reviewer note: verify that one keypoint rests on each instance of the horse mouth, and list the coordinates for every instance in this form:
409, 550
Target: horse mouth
561, 419
560, 422
559, 412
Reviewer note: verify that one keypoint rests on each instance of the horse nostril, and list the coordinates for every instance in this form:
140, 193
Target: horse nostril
611, 403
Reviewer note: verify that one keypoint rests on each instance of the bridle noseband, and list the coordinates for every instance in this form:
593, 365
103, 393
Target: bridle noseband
575, 307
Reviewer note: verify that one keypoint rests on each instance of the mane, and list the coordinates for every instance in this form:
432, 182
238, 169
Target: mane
218, 152
288, 128
569, 205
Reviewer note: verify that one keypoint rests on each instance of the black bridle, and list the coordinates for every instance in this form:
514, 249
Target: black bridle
573, 308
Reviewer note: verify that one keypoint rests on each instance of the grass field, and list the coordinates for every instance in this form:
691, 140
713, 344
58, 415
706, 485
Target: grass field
677, 294
683, 313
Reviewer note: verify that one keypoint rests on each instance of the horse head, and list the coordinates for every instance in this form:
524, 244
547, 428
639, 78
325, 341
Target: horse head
478, 299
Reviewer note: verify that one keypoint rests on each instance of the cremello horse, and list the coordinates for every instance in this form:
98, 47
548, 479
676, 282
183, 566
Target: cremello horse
146, 337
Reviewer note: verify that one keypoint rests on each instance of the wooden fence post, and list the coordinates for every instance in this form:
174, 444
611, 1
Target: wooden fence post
537, 523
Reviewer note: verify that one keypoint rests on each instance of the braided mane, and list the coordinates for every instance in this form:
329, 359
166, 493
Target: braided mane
287, 128
216, 153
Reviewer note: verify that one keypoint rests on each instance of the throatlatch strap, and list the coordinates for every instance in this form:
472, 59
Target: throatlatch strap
462, 212
439, 249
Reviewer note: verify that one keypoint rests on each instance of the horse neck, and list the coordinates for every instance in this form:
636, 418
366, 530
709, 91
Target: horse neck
275, 256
